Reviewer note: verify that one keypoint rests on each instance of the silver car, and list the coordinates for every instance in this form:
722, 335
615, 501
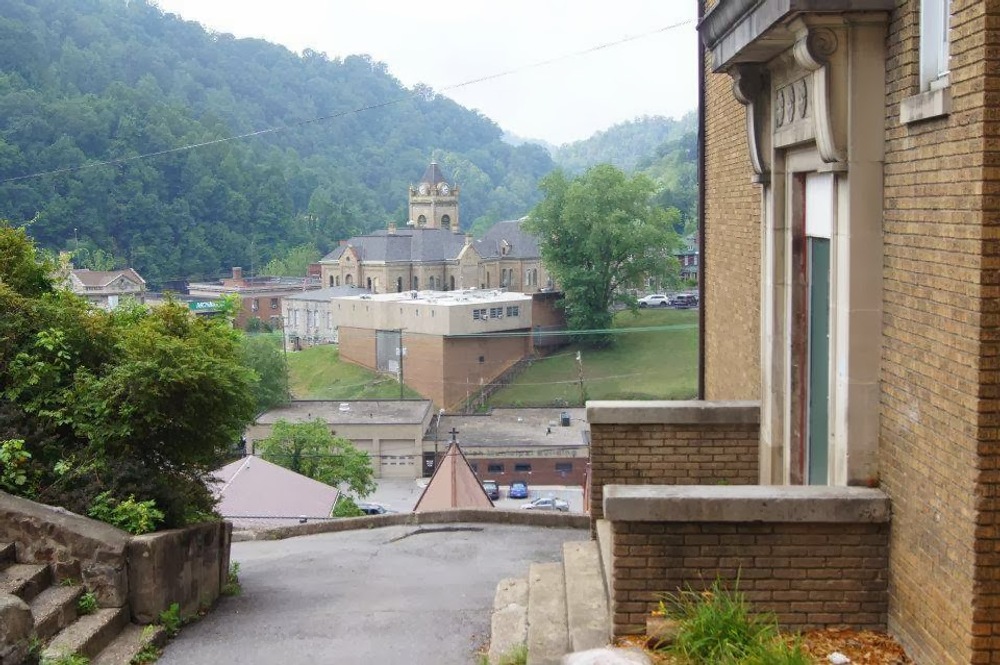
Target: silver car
547, 503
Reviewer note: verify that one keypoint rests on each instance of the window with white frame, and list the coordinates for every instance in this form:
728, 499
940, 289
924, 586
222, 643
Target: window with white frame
934, 21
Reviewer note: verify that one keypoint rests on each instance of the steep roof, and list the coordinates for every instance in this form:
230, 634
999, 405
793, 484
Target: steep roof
421, 245
255, 487
99, 278
520, 244
433, 175
454, 485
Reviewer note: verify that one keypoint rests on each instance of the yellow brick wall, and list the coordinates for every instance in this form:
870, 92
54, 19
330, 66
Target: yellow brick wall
731, 253
933, 290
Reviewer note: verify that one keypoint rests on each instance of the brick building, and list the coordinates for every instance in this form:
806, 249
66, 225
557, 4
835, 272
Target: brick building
851, 272
430, 252
447, 345
260, 297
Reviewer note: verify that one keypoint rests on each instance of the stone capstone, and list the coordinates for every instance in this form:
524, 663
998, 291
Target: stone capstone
16, 623
607, 656
75, 547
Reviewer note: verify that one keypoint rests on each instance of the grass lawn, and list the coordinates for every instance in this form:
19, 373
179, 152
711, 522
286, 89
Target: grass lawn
318, 373
660, 364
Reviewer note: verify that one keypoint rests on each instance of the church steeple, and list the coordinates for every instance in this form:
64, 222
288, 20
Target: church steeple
434, 202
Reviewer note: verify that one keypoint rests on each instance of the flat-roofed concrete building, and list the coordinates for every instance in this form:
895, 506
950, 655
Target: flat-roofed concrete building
446, 345
543, 446
391, 431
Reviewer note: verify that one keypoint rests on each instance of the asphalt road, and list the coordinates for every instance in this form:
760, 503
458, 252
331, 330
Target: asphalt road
389, 595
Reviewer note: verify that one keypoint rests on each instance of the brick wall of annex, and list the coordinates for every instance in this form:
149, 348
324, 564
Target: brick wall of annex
670, 455
938, 436
731, 254
810, 575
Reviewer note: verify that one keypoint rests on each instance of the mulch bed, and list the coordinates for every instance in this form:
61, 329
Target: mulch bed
862, 647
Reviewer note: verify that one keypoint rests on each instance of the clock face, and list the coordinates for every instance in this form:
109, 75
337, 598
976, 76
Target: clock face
424, 189
443, 188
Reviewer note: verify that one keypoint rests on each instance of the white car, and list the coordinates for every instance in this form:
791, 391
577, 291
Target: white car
547, 503
654, 300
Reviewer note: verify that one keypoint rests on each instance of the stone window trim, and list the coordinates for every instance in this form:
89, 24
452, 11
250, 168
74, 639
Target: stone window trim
934, 103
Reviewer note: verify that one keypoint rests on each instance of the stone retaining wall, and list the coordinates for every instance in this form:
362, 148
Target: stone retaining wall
815, 556
184, 566
150, 572
484, 516
671, 443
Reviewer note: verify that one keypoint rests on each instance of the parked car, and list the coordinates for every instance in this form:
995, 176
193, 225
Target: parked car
684, 301
547, 503
518, 490
492, 489
373, 508
654, 300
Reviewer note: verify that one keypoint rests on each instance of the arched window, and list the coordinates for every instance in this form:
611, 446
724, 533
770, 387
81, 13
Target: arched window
503, 277
487, 279
349, 280
452, 282
534, 277
399, 285
331, 280
369, 283
338, 280
421, 221
446, 222
416, 283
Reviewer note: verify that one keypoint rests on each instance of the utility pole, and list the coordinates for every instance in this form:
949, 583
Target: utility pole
400, 351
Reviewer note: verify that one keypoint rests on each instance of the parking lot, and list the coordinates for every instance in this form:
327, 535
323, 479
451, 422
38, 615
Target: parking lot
402, 495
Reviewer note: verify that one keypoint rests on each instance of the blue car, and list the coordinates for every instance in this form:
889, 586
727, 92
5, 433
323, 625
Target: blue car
518, 490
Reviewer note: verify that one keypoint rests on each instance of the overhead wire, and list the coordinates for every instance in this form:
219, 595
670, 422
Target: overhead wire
332, 116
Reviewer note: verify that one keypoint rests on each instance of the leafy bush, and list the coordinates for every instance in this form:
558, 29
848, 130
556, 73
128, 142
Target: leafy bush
346, 507
66, 659
136, 517
87, 604
232, 587
717, 627
170, 619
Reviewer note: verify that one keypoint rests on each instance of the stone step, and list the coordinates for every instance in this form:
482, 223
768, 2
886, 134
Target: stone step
586, 602
509, 623
129, 643
25, 580
8, 554
548, 633
54, 609
88, 635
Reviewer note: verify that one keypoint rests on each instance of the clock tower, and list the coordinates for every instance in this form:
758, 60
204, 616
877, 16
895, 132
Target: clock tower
434, 202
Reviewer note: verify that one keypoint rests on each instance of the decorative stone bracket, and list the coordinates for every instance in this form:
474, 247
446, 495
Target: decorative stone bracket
750, 87
812, 51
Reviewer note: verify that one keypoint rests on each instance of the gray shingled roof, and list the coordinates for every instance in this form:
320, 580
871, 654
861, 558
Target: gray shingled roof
424, 245
323, 295
433, 175
523, 245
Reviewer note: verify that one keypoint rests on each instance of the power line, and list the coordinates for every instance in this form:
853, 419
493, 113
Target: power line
333, 116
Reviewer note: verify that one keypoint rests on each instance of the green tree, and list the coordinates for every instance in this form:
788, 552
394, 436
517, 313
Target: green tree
310, 449
263, 354
601, 236
132, 403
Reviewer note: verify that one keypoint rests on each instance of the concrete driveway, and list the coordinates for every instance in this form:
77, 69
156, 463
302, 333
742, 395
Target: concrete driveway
414, 595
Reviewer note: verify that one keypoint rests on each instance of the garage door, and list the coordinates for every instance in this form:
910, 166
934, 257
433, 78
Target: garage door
399, 459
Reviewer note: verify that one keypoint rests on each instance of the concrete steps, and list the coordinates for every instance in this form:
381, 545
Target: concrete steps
129, 643
54, 609
24, 580
89, 634
561, 608
106, 636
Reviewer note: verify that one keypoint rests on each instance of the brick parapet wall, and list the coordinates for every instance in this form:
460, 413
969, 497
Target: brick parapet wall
809, 575
815, 556
695, 443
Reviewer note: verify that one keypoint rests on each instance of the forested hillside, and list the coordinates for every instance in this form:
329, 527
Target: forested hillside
664, 149
85, 81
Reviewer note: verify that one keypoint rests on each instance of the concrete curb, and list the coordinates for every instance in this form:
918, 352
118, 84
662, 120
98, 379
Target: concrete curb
511, 517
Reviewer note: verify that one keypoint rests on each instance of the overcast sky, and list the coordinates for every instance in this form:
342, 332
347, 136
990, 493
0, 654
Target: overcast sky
443, 44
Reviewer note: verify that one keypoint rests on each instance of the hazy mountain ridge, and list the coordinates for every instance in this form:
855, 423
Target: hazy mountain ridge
84, 81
